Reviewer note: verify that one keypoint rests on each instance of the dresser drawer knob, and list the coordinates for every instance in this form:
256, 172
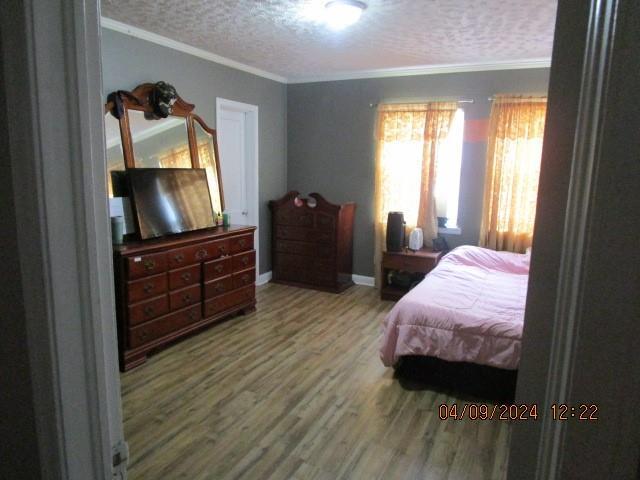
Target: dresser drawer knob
142, 334
149, 310
218, 268
200, 254
186, 276
192, 315
179, 257
186, 298
148, 287
219, 287
242, 242
245, 278
245, 260
222, 248
149, 264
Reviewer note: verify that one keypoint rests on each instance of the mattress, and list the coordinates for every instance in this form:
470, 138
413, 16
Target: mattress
470, 308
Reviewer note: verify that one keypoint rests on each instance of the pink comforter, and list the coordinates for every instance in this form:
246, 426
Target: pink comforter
470, 308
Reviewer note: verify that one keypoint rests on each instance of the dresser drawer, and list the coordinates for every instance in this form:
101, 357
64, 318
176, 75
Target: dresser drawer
242, 261
229, 300
184, 297
285, 232
145, 265
305, 248
144, 311
218, 286
242, 279
184, 277
163, 326
146, 288
241, 243
217, 268
216, 249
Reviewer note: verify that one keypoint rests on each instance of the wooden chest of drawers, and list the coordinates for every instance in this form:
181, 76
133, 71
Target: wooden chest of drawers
168, 288
312, 242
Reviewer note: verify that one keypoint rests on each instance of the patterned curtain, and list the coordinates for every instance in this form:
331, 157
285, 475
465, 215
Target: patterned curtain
408, 138
516, 129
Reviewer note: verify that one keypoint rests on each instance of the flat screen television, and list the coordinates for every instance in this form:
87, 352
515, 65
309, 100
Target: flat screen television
170, 200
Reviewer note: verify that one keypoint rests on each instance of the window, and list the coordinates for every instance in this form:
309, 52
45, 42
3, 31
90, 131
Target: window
401, 164
448, 163
516, 129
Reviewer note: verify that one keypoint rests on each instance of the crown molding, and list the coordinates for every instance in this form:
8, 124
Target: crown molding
121, 27
428, 70
183, 47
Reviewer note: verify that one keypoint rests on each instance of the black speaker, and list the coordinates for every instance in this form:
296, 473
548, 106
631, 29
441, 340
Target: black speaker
395, 232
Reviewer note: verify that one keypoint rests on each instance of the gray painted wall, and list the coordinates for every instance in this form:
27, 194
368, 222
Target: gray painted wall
330, 128
129, 61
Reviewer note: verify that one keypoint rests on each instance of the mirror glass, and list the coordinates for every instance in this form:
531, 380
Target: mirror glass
115, 155
160, 143
208, 161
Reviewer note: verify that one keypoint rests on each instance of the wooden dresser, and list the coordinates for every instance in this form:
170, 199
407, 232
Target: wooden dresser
167, 288
312, 242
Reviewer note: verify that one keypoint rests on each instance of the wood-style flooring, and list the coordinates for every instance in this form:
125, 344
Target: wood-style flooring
296, 390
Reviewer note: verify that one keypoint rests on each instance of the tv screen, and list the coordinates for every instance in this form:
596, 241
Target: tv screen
170, 200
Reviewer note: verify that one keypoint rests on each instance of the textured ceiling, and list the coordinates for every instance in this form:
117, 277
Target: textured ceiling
279, 36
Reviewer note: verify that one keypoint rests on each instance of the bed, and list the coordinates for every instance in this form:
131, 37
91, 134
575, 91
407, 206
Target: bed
470, 308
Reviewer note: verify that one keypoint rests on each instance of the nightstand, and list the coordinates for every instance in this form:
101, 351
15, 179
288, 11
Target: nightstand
418, 262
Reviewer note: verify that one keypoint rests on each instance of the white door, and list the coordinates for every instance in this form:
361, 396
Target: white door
233, 162
237, 130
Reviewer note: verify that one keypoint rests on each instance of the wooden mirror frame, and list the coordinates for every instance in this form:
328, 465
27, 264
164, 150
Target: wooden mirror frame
140, 99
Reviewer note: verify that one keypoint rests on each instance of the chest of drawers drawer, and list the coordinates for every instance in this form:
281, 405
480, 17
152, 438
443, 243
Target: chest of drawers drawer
218, 286
228, 300
145, 265
304, 248
286, 232
241, 243
184, 277
186, 296
242, 261
217, 268
163, 326
144, 311
242, 279
147, 287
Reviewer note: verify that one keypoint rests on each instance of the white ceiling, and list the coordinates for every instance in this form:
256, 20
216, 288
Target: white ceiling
277, 36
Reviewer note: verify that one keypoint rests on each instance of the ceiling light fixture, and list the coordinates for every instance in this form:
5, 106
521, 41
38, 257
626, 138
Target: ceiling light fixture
342, 13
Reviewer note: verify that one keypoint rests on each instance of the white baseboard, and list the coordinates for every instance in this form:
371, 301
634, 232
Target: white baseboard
357, 279
362, 280
264, 278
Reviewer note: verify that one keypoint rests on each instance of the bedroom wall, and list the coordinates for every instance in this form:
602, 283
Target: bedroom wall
129, 61
330, 128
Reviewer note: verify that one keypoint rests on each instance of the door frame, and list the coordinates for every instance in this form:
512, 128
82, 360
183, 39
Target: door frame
252, 160
51, 62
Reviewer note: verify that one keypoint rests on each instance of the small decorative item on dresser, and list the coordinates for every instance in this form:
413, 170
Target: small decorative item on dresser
312, 242
117, 230
416, 264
